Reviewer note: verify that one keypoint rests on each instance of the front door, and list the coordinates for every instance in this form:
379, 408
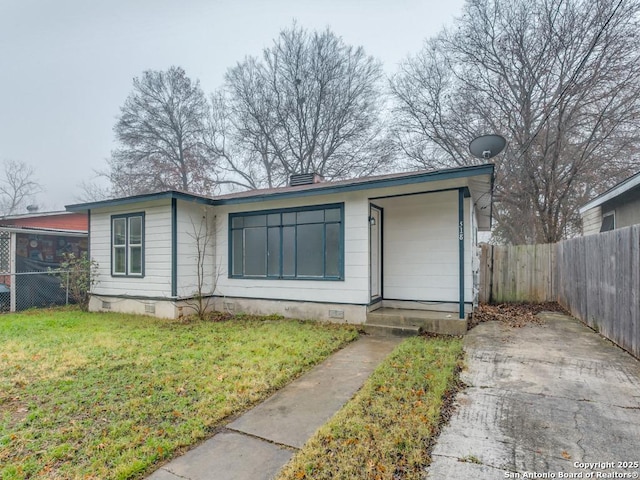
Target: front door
375, 252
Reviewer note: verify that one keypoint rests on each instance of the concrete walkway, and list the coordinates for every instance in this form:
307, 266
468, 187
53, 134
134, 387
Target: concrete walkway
259, 443
542, 400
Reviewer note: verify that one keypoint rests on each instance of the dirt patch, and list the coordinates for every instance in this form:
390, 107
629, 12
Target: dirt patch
513, 315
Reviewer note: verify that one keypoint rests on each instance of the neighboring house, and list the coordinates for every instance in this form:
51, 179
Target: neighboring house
58, 220
30, 245
616, 208
323, 250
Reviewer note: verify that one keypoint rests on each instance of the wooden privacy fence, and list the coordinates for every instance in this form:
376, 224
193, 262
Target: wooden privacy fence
517, 273
597, 278
598, 281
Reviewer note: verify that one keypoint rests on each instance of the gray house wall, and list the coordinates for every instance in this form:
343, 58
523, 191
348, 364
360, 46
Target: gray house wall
625, 207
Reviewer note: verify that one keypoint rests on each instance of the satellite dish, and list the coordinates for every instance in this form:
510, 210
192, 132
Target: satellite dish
487, 146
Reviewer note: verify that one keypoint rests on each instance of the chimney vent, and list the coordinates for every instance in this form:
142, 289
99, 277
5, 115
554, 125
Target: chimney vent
304, 179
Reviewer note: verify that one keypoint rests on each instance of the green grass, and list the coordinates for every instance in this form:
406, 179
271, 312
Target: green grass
106, 396
386, 430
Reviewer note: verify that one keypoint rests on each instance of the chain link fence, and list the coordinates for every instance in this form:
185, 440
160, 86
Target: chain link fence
29, 270
37, 289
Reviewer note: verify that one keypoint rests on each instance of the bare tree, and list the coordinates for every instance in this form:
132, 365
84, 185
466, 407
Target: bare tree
161, 130
559, 78
17, 186
94, 191
203, 235
311, 103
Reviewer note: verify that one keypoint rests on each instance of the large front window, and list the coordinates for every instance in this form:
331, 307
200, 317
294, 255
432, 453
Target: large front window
302, 243
127, 244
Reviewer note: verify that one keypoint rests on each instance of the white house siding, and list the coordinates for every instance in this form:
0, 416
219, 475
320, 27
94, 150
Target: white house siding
592, 221
195, 221
421, 248
354, 289
420, 255
157, 251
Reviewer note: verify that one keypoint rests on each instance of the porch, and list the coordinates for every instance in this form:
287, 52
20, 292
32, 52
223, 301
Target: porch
387, 321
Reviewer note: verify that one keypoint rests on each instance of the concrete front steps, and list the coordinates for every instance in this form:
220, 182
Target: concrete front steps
405, 322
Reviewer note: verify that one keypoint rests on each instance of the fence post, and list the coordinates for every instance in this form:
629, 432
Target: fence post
67, 292
12, 271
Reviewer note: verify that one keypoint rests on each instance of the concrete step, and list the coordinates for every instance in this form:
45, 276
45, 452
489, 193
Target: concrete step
446, 323
391, 330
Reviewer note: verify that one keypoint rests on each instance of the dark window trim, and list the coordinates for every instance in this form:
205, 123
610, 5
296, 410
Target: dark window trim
127, 216
608, 225
339, 277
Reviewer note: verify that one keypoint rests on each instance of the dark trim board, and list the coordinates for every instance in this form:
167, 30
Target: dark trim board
178, 299
316, 189
426, 302
174, 247
424, 177
461, 237
467, 193
147, 197
381, 259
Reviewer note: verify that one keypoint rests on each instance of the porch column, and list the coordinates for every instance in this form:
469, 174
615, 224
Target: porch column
174, 247
461, 251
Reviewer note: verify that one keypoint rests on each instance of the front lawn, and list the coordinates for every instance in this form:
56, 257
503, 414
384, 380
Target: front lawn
98, 396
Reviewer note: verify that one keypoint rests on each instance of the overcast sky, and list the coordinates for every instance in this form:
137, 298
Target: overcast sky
66, 66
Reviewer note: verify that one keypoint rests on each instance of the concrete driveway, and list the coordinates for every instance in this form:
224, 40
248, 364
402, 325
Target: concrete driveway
554, 399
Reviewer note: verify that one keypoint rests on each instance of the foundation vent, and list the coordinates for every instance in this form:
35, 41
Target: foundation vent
150, 308
106, 305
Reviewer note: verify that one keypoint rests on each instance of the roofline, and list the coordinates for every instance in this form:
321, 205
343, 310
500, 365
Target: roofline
18, 216
312, 190
619, 189
329, 188
45, 231
145, 197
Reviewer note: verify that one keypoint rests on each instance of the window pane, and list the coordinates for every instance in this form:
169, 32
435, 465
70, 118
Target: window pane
311, 216
289, 218
236, 253
135, 260
332, 250
273, 252
119, 228
255, 251
332, 215
288, 251
237, 222
310, 250
119, 260
607, 223
135, 230
273, 219
255, 221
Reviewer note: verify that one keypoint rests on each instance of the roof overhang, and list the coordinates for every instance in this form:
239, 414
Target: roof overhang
612, 193
44, 231
365, 183
146, 197
478, 179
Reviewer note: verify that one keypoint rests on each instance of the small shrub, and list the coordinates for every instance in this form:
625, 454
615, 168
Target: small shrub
80, 275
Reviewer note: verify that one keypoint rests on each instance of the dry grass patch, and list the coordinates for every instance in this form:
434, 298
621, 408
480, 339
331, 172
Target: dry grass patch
386, 431
107, 396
